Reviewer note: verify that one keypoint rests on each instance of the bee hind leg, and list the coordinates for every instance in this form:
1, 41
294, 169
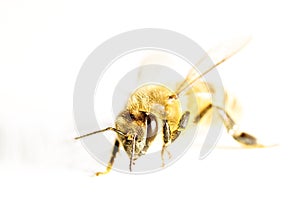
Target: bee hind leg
231, 127
112, 159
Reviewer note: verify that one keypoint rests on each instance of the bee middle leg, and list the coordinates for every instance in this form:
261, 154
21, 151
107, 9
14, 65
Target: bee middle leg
230, 125
112, 159
169, 137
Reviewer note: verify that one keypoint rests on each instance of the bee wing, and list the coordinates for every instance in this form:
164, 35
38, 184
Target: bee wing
158, 66
232, 106
208, 62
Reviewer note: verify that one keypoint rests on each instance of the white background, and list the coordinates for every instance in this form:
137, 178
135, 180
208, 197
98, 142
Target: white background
42, 47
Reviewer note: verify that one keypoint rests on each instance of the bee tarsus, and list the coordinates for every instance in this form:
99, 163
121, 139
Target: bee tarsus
112, 158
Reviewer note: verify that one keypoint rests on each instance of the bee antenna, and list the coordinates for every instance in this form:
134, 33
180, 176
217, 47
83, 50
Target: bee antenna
100, 131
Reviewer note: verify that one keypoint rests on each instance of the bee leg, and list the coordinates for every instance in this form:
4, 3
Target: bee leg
181, 126
232, 128
169, 136
166, 140
112, 159
202, 113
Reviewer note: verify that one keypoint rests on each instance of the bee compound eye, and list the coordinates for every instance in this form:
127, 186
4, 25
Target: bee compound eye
131, 116
152, 127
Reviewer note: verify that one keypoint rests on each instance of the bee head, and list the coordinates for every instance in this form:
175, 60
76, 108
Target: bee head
139, 130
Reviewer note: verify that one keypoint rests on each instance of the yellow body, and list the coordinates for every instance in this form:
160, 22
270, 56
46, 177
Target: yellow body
155, 99
137, 125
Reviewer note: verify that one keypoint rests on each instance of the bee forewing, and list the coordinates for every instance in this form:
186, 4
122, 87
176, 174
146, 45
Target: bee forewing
209, 61
155, 57
152, 57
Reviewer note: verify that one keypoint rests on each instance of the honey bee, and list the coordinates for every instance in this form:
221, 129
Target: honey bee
137, 126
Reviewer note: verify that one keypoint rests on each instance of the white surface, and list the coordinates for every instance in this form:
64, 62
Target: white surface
42, 47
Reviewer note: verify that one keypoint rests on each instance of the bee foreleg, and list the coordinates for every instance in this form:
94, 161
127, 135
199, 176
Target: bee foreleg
112, 159
181, 125
166, 140
169, 136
